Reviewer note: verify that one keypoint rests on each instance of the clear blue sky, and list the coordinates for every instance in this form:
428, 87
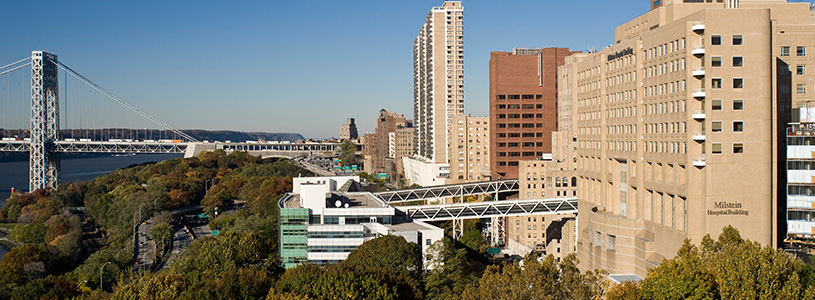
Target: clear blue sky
285, 66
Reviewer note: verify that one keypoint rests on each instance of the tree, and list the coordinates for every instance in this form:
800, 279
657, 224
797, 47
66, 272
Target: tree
348, 155
448, 270
728, 268
341, 281
391, 252
627, 290
23, 263
544, 279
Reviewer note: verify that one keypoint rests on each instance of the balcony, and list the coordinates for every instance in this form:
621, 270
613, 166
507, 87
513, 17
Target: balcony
699, 136
698, 93
698, 72
699, 115
698, 50
699, 161
698, 27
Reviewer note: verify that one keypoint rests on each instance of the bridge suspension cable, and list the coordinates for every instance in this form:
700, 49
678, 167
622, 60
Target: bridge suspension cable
123, 102
15, 68
28, 59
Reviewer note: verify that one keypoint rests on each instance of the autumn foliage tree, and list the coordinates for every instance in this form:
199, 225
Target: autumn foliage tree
728, 268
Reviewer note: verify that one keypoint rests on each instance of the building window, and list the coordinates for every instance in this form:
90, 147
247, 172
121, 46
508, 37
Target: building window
801, 51
502, 97
738, 61
738, 83
737, 40
611, 243
785, 50
716, 61
738, 126
716, 126
801, 89
800, 70
738, 148
716, 40
716, 148
716, 104
716, 83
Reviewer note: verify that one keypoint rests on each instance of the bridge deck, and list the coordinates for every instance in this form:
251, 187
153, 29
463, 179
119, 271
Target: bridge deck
102, 147
166, 147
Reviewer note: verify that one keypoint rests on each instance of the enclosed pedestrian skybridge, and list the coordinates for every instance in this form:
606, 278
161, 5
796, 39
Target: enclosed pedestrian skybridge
453, 190
489, 209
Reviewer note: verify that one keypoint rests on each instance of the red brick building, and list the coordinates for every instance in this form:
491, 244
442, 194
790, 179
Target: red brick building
523, 106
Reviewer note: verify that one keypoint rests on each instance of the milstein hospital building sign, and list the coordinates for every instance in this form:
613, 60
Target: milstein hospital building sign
727, 209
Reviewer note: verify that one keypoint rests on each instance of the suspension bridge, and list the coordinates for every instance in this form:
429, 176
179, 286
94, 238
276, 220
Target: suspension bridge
97, 121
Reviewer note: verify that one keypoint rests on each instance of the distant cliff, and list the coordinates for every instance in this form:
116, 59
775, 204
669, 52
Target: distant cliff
239, 136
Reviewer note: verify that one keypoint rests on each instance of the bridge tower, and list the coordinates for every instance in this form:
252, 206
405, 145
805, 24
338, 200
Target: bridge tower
44, 163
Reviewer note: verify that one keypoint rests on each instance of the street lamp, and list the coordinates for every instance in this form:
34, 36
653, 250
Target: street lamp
83, 281
206, 187
154, 204
101, 287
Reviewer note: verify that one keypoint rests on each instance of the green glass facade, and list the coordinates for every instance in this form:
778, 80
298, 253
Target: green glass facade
294, 236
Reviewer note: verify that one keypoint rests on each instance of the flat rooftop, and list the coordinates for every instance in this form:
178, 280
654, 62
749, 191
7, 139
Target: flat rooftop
354, 200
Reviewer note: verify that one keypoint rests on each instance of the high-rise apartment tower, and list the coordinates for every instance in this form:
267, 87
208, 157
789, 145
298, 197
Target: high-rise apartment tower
438, 79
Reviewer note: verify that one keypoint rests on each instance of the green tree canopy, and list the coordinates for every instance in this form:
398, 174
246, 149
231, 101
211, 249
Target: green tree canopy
391, 252
727, 268
544, 279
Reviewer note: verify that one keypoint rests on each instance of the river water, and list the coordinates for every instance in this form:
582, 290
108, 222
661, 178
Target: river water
15, 174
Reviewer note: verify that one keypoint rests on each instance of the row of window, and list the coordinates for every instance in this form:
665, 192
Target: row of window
808, 216
737, 40
665, 68
668, 127
519, 125
799, 51
516, 154
716, 83
519, 106
665, 48
716, 104
716, 148
518, 116
716, 61
335, 235
519, 134
517, 144
518, 97
716, 126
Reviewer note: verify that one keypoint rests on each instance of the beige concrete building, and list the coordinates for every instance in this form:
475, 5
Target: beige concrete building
438, 91
402, 144
679, 127
553, 175
470, 155
438, 53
